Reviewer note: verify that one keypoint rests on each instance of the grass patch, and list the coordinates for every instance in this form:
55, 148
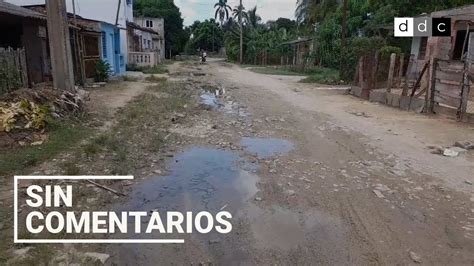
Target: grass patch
155, 79
275, 71
62, 135
158, 69
130, 78
323, 75
319, 75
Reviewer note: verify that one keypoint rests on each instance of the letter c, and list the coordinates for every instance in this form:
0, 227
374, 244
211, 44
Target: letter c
439, 29
29, 220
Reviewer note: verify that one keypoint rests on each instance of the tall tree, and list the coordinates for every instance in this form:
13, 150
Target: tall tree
222, 11
175, 35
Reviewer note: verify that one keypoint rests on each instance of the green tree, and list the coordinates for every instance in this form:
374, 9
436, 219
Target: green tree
175, 36
205, 35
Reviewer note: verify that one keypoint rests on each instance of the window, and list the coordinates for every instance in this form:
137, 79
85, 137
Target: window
104, 45
149, 23
423, 45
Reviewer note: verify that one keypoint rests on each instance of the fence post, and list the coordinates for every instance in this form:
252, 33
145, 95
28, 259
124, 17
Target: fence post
391, 72
410, 64
430, 92
400, 70
361, 71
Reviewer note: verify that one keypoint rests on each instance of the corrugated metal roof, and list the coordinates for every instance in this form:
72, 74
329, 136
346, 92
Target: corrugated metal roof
19, 11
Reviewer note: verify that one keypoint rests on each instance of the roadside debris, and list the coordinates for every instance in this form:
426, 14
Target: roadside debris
106, 188
378, 194
415, 257
100, 257
453, 151
25, 112
456, 150
361, 114
464, 145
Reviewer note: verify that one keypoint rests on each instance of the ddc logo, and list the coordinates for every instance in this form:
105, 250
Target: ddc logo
422, 27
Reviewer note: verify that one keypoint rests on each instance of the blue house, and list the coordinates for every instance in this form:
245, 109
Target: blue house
110, 48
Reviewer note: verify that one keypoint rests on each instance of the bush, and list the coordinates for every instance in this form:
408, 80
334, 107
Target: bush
102, 71
323, 75
360, 46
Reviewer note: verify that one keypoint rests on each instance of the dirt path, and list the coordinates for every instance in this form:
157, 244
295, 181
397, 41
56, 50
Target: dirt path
311, 182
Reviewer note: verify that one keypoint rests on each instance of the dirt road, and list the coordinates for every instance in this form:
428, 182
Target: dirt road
312, 176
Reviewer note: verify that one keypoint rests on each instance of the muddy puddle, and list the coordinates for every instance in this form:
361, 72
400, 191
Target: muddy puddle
266, 148
214, 98
206, 179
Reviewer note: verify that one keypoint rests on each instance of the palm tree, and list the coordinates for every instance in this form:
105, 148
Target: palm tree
309, 11
222, 11
252, 18
238, 10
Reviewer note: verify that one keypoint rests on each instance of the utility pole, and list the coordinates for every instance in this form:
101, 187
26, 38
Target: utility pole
60, 45
343, 37
241, 34
118, 12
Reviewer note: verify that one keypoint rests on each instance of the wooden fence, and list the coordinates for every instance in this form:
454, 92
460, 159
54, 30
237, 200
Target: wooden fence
13, 70
438, 85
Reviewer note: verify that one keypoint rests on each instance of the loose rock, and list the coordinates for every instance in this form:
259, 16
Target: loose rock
415, 257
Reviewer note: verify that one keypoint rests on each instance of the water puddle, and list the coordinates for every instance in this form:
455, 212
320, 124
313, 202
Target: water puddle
209, 100
266, 147
212, 98
200, 179
205, 179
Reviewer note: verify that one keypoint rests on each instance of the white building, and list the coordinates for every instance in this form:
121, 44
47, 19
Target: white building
157, 25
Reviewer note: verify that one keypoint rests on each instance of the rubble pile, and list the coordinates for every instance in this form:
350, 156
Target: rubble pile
30, 109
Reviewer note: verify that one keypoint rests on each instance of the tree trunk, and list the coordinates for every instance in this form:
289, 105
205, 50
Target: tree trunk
241, 35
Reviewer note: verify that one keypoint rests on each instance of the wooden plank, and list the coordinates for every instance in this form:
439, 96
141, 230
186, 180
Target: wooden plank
453, 102
418, 81
409, 67
449, 82
454, 65
445, 75
453, 94
430, 93
447, 87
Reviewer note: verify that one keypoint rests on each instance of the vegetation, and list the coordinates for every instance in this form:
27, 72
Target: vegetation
314, 74
102, 71
365, 30
158, 69
62, 136
205, 35
323, 75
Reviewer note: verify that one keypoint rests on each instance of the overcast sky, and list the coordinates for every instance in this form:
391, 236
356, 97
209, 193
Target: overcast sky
268, 9
191, 10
